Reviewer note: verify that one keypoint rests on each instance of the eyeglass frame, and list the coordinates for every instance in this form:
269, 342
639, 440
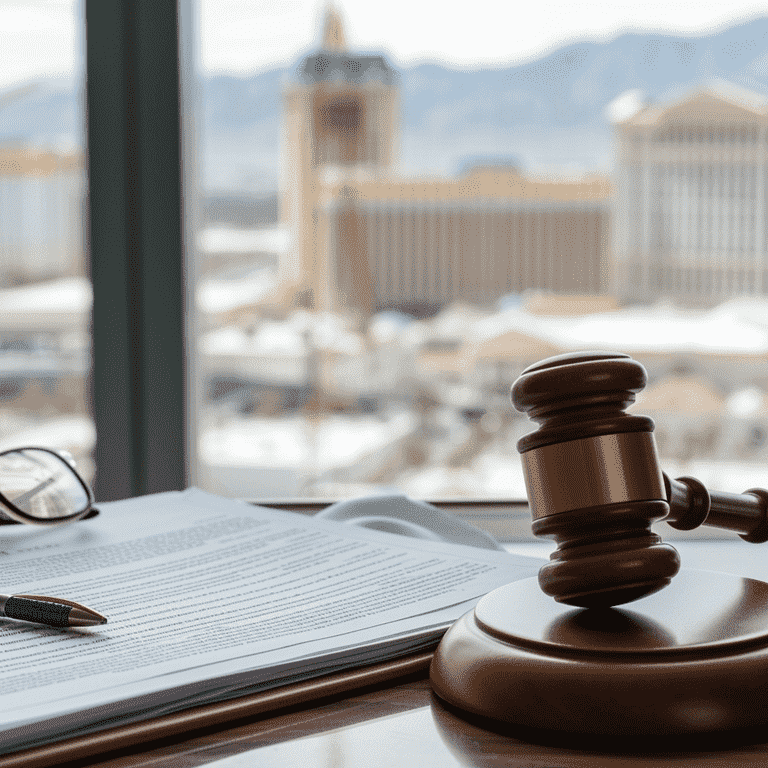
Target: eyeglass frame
17, 515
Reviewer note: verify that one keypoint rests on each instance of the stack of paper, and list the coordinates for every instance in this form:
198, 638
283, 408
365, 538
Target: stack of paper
208, 599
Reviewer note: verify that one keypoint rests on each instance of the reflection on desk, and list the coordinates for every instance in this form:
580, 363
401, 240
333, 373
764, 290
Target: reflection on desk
404, 725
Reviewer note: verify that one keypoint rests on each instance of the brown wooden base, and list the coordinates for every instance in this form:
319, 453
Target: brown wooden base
692, 658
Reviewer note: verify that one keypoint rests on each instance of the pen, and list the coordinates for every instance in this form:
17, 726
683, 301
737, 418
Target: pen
53, 611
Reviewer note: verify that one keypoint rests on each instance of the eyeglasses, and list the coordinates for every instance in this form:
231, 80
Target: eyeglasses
42, 487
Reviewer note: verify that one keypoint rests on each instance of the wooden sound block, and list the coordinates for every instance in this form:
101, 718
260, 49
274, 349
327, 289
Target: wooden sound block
692, 658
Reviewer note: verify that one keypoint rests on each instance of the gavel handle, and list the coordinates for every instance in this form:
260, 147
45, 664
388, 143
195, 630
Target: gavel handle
692, 505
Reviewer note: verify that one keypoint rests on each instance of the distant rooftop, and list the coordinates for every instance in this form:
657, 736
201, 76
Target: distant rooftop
328, 66
31, 161
471, 163
718, 99
480, 184
334, 62
638, 330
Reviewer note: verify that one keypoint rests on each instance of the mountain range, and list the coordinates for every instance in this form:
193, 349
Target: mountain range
548, 115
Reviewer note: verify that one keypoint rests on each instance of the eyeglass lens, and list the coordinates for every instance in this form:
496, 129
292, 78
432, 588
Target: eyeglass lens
41, 484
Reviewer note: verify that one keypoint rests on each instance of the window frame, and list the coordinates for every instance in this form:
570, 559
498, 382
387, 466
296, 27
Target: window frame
142, 110
135, 240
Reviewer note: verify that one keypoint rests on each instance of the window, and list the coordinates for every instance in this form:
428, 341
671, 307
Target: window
356, 303
45, 295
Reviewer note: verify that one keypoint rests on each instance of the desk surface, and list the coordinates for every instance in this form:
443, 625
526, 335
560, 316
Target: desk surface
403, 724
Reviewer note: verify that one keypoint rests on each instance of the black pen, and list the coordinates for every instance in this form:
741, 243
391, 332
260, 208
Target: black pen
52, 611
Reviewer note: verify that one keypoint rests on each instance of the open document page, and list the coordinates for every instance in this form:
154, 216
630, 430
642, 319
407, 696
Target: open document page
209, 598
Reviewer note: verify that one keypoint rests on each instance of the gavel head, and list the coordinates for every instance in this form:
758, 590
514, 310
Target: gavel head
593, 479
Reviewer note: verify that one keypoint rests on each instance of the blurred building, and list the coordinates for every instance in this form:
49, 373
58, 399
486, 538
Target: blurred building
41, 215
45, 346
364, 238
420, 245
340, 117
690, 212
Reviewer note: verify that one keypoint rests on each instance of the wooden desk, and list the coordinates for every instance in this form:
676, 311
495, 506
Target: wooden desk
403, 725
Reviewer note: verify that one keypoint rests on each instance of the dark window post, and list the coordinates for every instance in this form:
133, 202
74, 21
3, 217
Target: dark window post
135, 246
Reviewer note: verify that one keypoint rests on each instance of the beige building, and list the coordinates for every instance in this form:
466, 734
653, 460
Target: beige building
690, 211
42, 195
340, 117
366, 239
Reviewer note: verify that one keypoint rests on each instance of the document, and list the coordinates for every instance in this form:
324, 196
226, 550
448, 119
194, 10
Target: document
209, 598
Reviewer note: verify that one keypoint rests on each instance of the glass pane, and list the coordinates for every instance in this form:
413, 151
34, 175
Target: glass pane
41, 484
396, 219
45, 295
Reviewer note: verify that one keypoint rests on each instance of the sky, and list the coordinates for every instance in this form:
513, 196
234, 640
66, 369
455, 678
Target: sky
41, 38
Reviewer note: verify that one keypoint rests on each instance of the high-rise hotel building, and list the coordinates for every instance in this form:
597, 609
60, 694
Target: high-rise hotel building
42, 197
690, 208
366, 239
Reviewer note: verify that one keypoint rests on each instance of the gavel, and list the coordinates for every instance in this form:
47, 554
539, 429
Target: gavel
595, 485
690, 660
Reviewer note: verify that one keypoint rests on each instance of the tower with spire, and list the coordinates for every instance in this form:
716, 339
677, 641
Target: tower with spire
334, 39
340, 114
366, 239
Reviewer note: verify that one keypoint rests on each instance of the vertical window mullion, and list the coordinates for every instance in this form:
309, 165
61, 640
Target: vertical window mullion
135, 246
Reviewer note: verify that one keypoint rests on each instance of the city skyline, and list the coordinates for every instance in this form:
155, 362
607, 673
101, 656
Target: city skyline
41, 38
391, 311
